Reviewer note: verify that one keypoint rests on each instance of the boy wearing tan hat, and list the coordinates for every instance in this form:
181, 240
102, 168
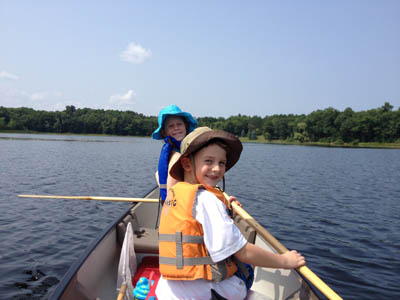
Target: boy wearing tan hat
199, 245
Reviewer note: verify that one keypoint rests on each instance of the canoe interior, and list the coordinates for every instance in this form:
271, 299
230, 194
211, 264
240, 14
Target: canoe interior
94, 275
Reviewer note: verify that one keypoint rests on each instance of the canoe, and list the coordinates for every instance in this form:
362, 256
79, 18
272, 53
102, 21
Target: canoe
94, 274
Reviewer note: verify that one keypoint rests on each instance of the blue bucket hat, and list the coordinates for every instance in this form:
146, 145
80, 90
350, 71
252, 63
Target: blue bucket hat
173, 110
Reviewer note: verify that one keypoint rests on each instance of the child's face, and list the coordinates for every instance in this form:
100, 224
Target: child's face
175, 127
210, 164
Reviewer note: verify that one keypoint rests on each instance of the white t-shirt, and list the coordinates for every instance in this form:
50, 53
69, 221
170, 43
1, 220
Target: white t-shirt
222, 239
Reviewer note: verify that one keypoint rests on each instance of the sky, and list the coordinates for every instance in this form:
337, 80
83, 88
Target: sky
212, 58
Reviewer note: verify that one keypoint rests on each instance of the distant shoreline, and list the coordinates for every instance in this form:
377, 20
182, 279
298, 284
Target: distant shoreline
260, 140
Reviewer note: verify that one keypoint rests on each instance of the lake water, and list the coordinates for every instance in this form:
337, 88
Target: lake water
339, 207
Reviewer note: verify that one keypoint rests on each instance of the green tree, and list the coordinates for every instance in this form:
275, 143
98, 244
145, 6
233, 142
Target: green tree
300, 134
4, 113
268, 128
3, 123
321, 125
252, 135
345, 124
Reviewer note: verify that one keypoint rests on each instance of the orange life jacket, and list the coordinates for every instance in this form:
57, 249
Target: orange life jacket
183, 254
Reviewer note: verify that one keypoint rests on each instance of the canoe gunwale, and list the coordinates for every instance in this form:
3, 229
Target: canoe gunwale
312, 287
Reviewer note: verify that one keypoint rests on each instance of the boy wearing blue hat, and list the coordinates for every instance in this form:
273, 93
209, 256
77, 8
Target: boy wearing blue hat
173, 126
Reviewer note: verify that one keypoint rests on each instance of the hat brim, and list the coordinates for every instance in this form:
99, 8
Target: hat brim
235, 148
188, 117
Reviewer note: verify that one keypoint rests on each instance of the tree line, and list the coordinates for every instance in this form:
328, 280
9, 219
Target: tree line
81, 121
329, 125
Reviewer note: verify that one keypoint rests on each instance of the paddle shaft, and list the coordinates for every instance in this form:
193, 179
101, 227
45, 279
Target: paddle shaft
116, 199
122, 291
304, 270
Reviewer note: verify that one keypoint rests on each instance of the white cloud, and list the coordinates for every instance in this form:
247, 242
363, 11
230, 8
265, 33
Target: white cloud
43, 100
135, 54
124, 101
9, 76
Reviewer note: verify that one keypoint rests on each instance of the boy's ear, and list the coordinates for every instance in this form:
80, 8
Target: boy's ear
186, 164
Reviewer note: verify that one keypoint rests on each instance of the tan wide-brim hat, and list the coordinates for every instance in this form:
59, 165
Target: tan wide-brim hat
201, 136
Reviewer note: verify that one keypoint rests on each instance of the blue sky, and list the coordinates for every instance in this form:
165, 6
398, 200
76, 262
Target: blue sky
212, 58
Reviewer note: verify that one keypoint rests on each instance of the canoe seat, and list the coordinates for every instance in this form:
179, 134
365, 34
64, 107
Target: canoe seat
145, 239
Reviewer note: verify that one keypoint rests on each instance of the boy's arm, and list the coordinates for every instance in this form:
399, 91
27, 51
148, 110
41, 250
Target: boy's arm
257, 256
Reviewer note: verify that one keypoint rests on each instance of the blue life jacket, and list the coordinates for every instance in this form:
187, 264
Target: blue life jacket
170, 144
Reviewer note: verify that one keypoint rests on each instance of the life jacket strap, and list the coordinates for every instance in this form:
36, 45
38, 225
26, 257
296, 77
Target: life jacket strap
187, 261
192, 239
179, 261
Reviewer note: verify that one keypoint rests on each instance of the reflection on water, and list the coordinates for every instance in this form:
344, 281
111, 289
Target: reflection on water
337, 206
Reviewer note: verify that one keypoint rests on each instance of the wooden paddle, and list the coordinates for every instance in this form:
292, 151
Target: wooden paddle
304, 270
122, 291
116, 199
